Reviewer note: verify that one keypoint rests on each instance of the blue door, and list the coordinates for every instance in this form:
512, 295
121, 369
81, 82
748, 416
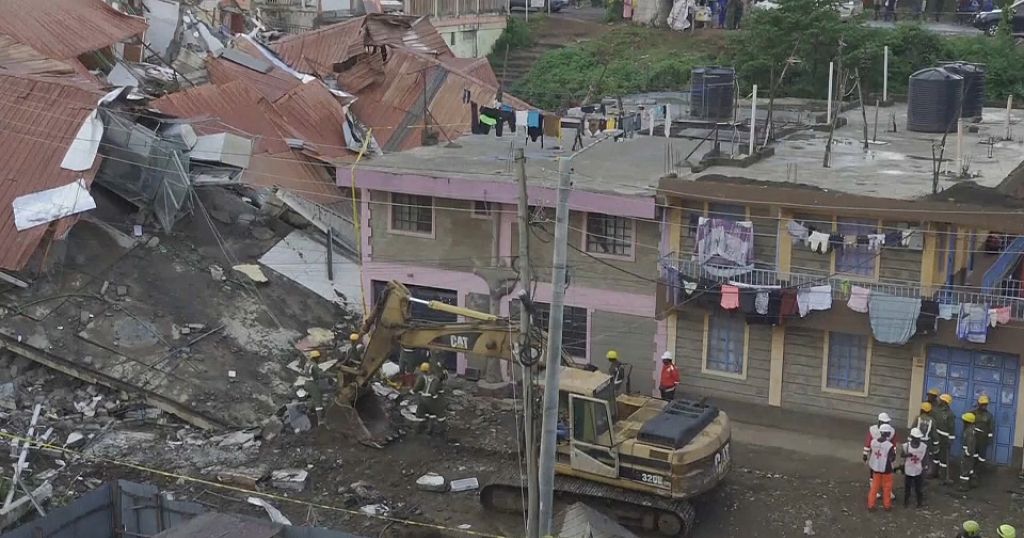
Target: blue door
966, 374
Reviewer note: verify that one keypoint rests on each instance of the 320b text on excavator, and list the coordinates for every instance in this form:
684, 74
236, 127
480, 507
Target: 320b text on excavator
639, 458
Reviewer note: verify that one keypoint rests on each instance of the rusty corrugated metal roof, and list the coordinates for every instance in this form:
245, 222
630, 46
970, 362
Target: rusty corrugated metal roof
317, 51
272, 85
391, 102
295, 172
64, 29
313, 114
231, 107
18, 57
39, 118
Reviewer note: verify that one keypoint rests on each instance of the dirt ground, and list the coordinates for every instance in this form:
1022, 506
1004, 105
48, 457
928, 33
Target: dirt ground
772, 491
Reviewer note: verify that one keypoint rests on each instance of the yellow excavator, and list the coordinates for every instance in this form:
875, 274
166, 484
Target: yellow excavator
635, 457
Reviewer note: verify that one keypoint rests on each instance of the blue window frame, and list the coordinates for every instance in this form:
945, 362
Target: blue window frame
847, 362
857, 260
726, 344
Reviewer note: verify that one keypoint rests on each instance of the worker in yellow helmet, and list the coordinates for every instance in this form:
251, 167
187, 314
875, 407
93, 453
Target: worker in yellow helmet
1006, 531
431, 406
616, 370
945, 430
986, 425
969, 457
933, 396
926, 424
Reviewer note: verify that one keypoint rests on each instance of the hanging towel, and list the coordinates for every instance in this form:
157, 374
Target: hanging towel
522, 118
876, 241
810, 298
849, 241
818, 242
730, 297
1000, 316
928, 321
797, 231
946, 311
761, 302
533, 118
747, 301
973, 323
859, 299
725, 248
689, 287
836, 241
893, 319
787, 304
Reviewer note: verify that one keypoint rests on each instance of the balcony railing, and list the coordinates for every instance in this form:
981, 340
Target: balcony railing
454, 8
770, 277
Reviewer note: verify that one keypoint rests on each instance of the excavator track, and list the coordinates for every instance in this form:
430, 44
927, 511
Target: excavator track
669, 517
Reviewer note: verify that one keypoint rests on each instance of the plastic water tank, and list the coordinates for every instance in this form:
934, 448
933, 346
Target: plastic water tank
974, 86
934, 97
712, 93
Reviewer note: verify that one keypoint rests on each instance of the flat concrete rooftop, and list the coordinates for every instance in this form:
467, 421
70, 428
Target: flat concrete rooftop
631, 166
896, 165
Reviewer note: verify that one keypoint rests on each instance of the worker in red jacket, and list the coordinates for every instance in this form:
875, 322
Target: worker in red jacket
669, 377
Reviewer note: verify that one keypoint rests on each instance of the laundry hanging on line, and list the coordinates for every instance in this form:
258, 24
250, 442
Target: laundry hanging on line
893, 319
809, 298
973, 323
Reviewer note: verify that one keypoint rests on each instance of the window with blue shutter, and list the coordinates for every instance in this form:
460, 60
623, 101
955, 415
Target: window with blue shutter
725, 343
847, 361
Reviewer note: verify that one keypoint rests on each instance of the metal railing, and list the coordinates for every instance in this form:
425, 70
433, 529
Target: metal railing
760, 276
454, 8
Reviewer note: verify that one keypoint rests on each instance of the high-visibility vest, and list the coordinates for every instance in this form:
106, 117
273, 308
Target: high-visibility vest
913, 465
878, 459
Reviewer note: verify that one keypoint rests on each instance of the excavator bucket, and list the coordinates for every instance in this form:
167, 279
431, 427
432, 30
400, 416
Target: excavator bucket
368, 421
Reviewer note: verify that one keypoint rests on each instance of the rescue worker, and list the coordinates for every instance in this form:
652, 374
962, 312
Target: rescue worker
985, 424
881, 461
1006, 531
933, 396
669, 377
969, 458
431, 407
408, 358
945, 429
926, 424
873, 433
971, 529
355, 350
914, 454
616, 370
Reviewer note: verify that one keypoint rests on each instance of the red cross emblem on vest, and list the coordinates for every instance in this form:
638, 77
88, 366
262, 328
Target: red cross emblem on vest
878, 453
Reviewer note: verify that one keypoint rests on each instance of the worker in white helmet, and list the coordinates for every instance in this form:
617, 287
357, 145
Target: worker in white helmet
914, 454
881, 461
669, 377
873, 433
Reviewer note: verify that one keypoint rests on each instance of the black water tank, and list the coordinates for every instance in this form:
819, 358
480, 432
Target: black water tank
933, 100
974, 87
712, 93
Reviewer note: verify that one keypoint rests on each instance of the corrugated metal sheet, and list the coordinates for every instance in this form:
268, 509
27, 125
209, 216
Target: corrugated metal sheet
478, 68
216, 525
294, 172
392, 104
313, 114
317, 51
272, 85
20, 58
38, 120
231, 107
64, 29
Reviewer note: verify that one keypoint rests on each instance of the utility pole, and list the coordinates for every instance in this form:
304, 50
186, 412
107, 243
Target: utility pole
552, 360
529, 394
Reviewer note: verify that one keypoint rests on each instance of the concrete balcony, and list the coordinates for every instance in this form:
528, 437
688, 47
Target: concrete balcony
947, 294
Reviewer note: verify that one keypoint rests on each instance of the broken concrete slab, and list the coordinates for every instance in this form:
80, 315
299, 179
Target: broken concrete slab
253, 272
8, 396
290, 479
238, 438
303, 259
246, 477
464, 484
432, 482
